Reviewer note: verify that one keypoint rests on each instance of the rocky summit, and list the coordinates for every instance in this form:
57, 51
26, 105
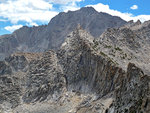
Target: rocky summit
106, 74
51, 36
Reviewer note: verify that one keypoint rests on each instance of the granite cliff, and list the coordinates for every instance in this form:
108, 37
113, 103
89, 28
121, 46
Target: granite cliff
78, 78
129, 43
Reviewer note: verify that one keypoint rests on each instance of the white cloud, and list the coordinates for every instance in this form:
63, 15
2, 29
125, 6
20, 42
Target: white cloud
3, 0
33, 24
31, 11
134, 7
142, 18
69, 7
27, 10
12, 28
3, 20
64, 2
126, 16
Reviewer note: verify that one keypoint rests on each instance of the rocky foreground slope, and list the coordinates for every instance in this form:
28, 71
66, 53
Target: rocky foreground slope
78, 78
51, 36
129, 43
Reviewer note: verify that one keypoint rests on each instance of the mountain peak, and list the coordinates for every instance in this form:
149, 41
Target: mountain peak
77, 38
79, 27
138, 22
51, 36
88, 9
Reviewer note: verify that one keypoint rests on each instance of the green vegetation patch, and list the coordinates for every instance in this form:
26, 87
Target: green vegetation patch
103, 54
118, 49
108, 46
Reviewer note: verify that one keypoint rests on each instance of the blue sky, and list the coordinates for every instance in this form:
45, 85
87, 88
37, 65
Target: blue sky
16, 13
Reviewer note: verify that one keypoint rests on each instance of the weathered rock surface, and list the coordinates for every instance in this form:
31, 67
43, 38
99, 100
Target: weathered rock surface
28, 77
76, 79
126, 44
44, 78
133, 94
84, 67
51, 36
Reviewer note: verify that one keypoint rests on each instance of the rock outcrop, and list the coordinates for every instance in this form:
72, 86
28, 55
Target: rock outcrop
44, 78
78, 78
85, 69
133, 94
129, 43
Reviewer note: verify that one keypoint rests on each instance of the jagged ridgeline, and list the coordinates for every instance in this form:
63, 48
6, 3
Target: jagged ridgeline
90, 70
51, 36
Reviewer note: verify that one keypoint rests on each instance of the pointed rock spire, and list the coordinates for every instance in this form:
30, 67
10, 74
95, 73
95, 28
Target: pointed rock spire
138, 22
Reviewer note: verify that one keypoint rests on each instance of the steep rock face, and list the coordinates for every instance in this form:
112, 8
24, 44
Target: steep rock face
10, 92
10, 81
51, 36
126, 44
4, 68
8, 45
86, 70
44, 78
76, 79
17, 62
28, 77
133, 94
